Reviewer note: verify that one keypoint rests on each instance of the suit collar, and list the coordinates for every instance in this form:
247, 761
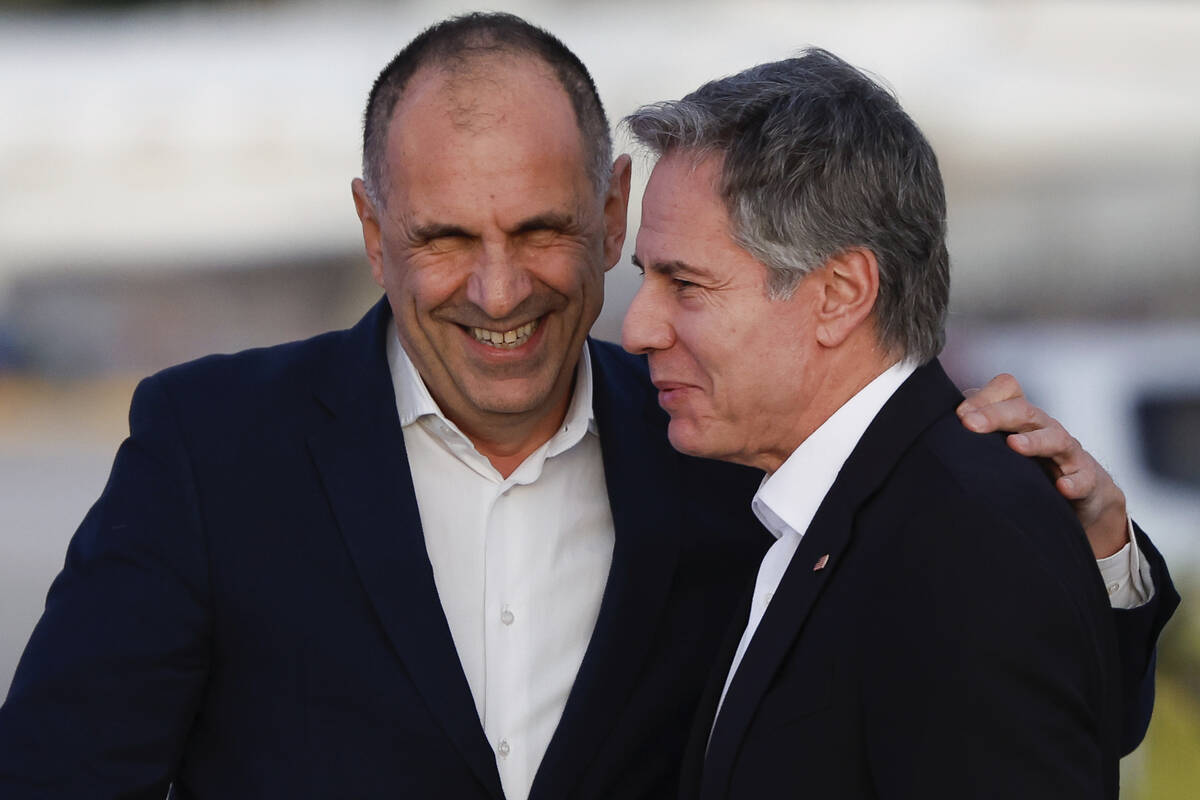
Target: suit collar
363, 465
789, 498
927, 395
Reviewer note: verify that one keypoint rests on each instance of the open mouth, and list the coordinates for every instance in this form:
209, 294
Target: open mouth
506, 340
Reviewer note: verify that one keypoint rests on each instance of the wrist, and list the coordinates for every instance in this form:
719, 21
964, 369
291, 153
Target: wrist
1109, 532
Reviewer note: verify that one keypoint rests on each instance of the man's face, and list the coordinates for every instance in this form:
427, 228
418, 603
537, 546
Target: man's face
733, 367
493, 244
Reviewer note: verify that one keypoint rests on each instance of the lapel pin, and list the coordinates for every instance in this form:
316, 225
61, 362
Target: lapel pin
821, 562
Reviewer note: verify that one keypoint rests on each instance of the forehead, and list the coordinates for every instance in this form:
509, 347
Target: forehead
496, 132
683, 188
683, 216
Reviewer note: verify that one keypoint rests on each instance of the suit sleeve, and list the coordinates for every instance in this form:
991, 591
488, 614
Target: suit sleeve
977, 685
111, 679
1137, 635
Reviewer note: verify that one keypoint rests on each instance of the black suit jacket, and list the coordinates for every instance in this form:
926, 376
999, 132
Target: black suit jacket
957, 643
249, 610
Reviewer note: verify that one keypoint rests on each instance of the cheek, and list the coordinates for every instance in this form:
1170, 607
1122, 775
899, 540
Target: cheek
431, 283
568, 272
716, 350
746, 368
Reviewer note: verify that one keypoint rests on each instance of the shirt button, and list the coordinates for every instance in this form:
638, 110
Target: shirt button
506, 616
768, 597
503, 749
1112, 587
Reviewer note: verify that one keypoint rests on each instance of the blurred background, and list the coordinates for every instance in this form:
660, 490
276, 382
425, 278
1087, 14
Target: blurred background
174, 180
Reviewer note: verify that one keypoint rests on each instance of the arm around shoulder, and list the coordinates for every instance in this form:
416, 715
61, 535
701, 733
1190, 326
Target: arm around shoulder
1138, 630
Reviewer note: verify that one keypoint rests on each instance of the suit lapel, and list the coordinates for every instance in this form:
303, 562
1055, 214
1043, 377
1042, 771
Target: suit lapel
925, 396
364, 468
641, 474
829, 534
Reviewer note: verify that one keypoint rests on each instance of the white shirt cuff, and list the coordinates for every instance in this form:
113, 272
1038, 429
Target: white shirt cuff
1127, 575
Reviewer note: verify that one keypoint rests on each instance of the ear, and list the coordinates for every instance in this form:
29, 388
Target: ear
616, 210
849, 286
370, 228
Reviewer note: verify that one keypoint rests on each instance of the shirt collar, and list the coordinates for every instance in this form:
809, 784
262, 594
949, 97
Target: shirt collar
413, 400
788, 499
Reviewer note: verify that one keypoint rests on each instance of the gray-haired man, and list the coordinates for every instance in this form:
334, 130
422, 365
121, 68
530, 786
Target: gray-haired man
929, 621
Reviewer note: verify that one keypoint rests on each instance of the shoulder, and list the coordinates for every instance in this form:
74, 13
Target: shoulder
259, 368
987, 476
242, 394
971, 517
976, 536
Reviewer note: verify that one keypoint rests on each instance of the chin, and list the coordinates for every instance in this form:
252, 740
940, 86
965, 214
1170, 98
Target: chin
510, 396
695, 440
686, 439
515, 404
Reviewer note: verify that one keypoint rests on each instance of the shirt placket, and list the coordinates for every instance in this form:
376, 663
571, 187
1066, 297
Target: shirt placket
505, 633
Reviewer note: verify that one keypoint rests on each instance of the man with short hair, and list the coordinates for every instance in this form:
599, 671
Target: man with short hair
928, 622
446, 553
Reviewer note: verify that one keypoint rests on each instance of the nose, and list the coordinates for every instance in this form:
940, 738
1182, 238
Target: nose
497, 284
646, 327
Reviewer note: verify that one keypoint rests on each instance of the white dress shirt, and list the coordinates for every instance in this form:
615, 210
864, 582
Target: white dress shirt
787, 500
1126, 575
520, 563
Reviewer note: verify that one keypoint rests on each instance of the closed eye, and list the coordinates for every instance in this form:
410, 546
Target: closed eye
447, 242
539, 235
545, 227
438, 237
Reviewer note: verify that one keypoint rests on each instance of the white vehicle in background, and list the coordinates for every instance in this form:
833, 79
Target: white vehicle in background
1130, 391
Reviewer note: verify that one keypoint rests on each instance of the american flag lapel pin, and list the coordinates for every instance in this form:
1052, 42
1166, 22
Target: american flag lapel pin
821, 562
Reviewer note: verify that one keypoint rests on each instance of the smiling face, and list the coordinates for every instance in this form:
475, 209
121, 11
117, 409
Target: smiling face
736, 370
493, 243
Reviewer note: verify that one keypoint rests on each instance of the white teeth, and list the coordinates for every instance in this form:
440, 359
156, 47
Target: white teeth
505, 340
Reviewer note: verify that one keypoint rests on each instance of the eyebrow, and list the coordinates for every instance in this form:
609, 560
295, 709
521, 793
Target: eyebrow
672, 268
436, 230
552, 220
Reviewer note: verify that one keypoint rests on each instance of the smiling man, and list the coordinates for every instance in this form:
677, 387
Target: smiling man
928, 622
446, 553
492, 243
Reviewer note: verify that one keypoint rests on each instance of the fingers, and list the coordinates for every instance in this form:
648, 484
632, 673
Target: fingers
999, 389
1099, 503
1080, 484
1038, 435
1050, 440
1014, 415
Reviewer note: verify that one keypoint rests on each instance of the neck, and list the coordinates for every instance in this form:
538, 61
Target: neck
845, 373
506, 442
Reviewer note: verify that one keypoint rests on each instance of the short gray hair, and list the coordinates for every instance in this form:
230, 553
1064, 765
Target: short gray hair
453, 43
819, 158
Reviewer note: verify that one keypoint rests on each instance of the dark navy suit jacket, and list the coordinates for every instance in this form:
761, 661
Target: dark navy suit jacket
956, 640
249, 610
